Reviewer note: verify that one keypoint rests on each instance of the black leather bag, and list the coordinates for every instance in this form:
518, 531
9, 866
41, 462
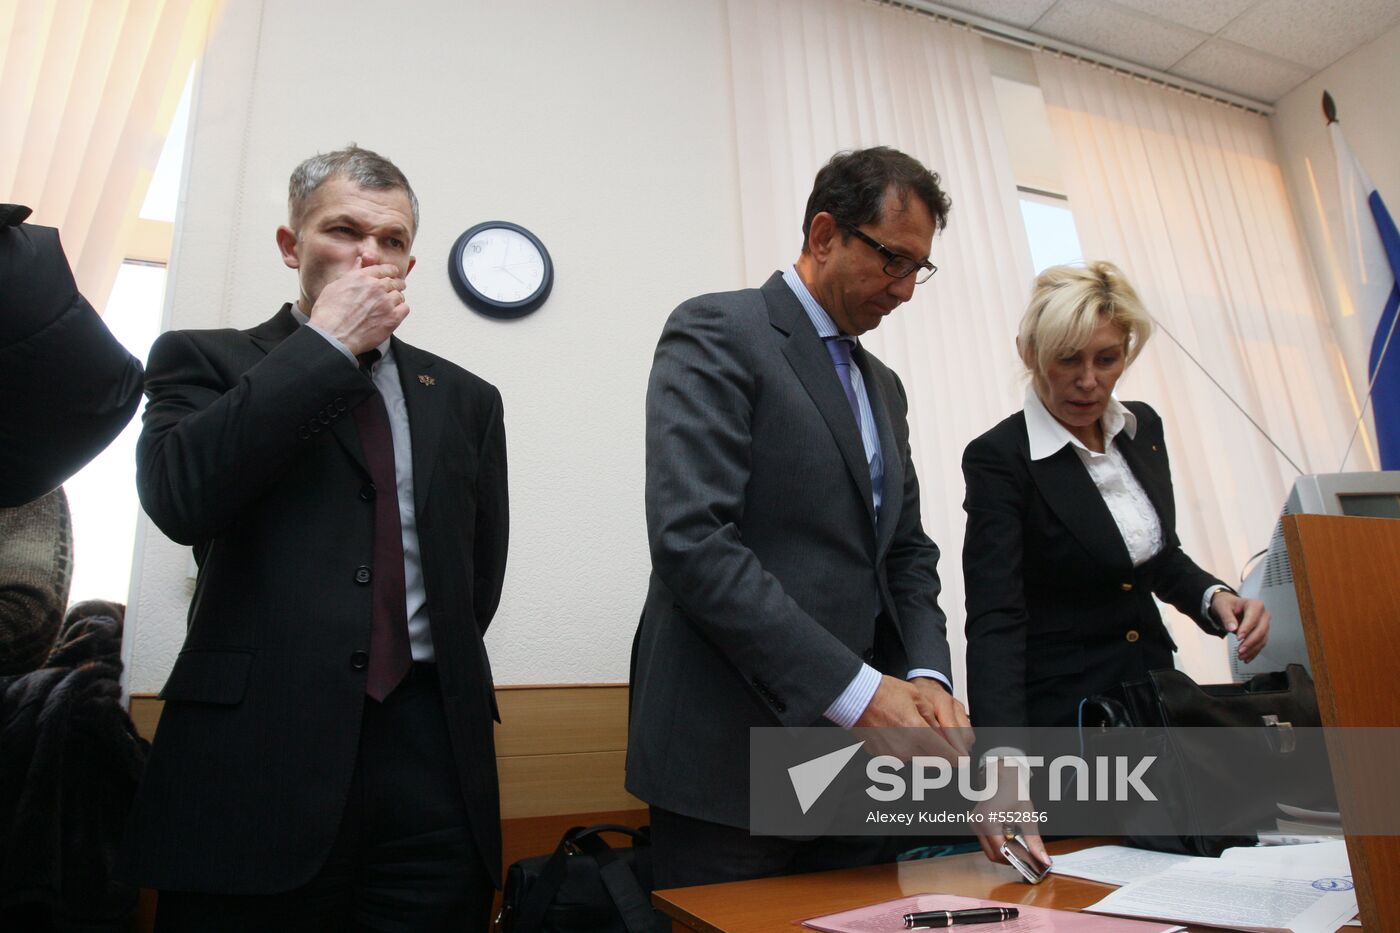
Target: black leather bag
1277, 704
584, 886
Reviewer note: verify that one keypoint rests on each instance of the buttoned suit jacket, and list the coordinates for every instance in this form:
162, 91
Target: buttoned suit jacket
769, 566
1055, 608
249, 452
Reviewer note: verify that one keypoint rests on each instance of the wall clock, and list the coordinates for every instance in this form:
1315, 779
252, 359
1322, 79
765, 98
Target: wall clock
501, 269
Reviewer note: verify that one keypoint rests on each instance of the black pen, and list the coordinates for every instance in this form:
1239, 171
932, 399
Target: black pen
937, 919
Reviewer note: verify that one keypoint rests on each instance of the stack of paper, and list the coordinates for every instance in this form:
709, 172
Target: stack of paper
1303, 889
1117, 864
1271, 899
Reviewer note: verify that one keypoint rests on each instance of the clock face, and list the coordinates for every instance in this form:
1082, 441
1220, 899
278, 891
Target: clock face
501, 269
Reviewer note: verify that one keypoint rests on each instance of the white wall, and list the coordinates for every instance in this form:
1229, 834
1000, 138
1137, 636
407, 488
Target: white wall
1364, 85
603, 127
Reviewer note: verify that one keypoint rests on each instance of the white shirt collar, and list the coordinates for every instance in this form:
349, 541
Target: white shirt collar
1047, 436
302, 318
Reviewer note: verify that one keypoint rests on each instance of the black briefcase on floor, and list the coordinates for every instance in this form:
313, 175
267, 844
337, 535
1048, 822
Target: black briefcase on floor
584, 886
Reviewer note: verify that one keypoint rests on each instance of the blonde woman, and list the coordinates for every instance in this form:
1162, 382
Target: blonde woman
1071, 523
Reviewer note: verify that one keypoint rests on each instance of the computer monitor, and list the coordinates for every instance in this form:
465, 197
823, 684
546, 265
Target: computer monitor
1369, 495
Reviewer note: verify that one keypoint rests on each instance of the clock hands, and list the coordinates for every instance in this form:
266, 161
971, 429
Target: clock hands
505, 266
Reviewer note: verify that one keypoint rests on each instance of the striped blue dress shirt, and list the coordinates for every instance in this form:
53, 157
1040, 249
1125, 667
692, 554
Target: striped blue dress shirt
827, 330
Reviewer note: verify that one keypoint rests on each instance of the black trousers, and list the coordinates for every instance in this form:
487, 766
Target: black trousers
403, 858
687, 851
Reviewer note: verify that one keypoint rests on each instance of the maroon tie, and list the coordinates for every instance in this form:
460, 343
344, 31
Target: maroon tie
389, 654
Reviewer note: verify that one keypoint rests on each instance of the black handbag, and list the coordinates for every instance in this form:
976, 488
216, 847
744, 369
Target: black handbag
1277, 704
584, 886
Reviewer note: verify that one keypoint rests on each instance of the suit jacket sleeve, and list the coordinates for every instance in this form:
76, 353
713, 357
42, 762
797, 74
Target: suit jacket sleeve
492, 533
993, 553
215, 435
1180, 581
700, 402
911, 567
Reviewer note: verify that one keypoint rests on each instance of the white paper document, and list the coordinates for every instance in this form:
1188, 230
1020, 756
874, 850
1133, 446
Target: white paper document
1294, 839
1117, 864
1323, 858
1218, 892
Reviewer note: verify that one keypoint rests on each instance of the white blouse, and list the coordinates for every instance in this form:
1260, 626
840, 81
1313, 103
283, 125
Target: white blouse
1127, 501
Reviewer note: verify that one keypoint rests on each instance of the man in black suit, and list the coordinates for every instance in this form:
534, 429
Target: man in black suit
67, 387
324, 759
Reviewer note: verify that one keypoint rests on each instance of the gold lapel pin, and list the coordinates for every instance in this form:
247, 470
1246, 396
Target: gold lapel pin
426, 379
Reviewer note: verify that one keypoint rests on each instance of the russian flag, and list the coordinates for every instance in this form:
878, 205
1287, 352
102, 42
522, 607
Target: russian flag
1373, 257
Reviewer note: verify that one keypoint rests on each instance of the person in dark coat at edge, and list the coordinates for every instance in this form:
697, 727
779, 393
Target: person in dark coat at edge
67, 387
70, 757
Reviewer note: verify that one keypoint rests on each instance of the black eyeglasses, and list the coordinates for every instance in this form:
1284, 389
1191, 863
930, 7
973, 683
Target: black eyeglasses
896, 266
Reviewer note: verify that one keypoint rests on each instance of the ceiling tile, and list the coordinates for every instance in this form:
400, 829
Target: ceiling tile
1239, 70
1200, 15
1020, 13
1119, 32
1314, 33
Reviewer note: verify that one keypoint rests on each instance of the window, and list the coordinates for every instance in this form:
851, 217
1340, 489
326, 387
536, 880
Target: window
1050, 229
102, 495
164, 192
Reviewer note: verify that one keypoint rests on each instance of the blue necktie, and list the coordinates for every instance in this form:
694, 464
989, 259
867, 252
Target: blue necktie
840, 350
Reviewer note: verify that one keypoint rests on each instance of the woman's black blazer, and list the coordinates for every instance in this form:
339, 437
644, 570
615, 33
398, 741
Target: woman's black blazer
1055, 609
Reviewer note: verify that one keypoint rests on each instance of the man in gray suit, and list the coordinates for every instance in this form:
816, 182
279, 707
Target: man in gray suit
792, 583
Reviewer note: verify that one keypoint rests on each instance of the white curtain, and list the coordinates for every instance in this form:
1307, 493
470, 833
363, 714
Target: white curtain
812, 77
1186, 195
87, 92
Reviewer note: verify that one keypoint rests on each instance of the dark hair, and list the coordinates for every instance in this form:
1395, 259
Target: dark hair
365, 168
851, 187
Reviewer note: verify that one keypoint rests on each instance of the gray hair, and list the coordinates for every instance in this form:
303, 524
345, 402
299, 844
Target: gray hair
365, 168
1067, 306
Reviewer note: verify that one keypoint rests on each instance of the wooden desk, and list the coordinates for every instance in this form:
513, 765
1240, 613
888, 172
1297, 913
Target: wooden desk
769, 904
